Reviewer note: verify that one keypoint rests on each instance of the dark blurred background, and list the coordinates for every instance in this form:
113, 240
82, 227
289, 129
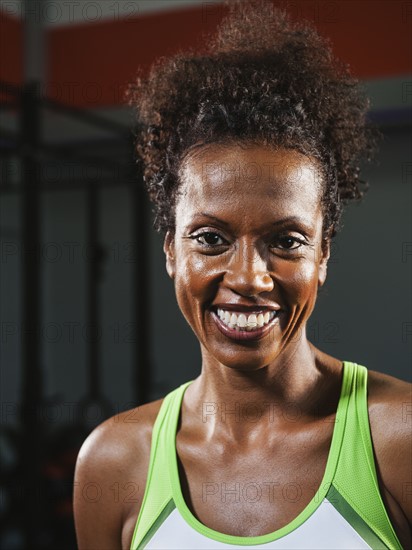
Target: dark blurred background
89, 321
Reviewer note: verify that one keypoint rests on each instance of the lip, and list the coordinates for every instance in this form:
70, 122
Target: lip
243, 334
246, 308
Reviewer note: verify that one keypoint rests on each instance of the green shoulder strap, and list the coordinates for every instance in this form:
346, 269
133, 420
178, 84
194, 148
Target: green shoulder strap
355, 477
157, 491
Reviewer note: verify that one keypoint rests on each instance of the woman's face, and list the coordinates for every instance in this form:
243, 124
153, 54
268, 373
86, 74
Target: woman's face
246, 256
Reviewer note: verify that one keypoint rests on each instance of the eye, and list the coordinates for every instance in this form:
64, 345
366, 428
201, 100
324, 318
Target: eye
209, 239
287, 242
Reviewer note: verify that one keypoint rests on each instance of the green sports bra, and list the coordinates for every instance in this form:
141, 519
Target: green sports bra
347, 511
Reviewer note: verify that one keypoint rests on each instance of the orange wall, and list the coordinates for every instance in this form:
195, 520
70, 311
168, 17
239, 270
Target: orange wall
89, 64
99, 59
11, 49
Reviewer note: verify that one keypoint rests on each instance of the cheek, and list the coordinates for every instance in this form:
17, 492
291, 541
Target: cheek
298, 280
197, 274
193, 285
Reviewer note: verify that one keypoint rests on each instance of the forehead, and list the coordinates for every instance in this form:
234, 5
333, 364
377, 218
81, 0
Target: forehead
234, 177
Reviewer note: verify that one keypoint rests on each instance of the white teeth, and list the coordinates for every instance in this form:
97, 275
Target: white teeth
251, 322
242, 322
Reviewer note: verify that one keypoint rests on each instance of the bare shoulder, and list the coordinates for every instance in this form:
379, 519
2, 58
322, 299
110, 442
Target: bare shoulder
390, 407
110, 477
390, 416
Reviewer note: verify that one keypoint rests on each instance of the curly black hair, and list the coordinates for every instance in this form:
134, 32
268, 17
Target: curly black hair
263, 79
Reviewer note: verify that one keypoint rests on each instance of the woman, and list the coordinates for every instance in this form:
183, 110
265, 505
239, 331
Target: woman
249, 152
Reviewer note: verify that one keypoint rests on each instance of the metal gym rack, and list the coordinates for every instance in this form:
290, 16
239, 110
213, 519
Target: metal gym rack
27, 145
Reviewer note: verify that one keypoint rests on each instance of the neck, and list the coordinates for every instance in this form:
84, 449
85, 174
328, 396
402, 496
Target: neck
230, 402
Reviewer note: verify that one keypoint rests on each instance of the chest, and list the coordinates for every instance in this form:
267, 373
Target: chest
254, 491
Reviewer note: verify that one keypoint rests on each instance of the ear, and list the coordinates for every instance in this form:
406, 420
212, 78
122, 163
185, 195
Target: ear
323, 266
169, 250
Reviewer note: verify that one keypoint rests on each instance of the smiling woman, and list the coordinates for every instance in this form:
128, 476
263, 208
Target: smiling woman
234, 242
249, 154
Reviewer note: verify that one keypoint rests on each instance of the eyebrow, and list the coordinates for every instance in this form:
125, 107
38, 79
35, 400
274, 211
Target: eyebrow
214, 218
283, 221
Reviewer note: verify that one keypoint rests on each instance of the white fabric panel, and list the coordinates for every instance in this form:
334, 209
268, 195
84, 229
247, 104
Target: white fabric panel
325, 529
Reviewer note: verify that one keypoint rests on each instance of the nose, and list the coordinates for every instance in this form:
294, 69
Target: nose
247, 273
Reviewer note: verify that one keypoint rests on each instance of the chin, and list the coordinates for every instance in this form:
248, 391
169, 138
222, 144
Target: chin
246, 360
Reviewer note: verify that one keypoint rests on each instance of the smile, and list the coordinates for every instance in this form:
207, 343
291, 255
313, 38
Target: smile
240, 321
239, 326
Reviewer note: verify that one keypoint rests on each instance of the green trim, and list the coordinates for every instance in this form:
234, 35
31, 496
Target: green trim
143, 519
357, 462
333, 456
167, 510
363, 417
354, 519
